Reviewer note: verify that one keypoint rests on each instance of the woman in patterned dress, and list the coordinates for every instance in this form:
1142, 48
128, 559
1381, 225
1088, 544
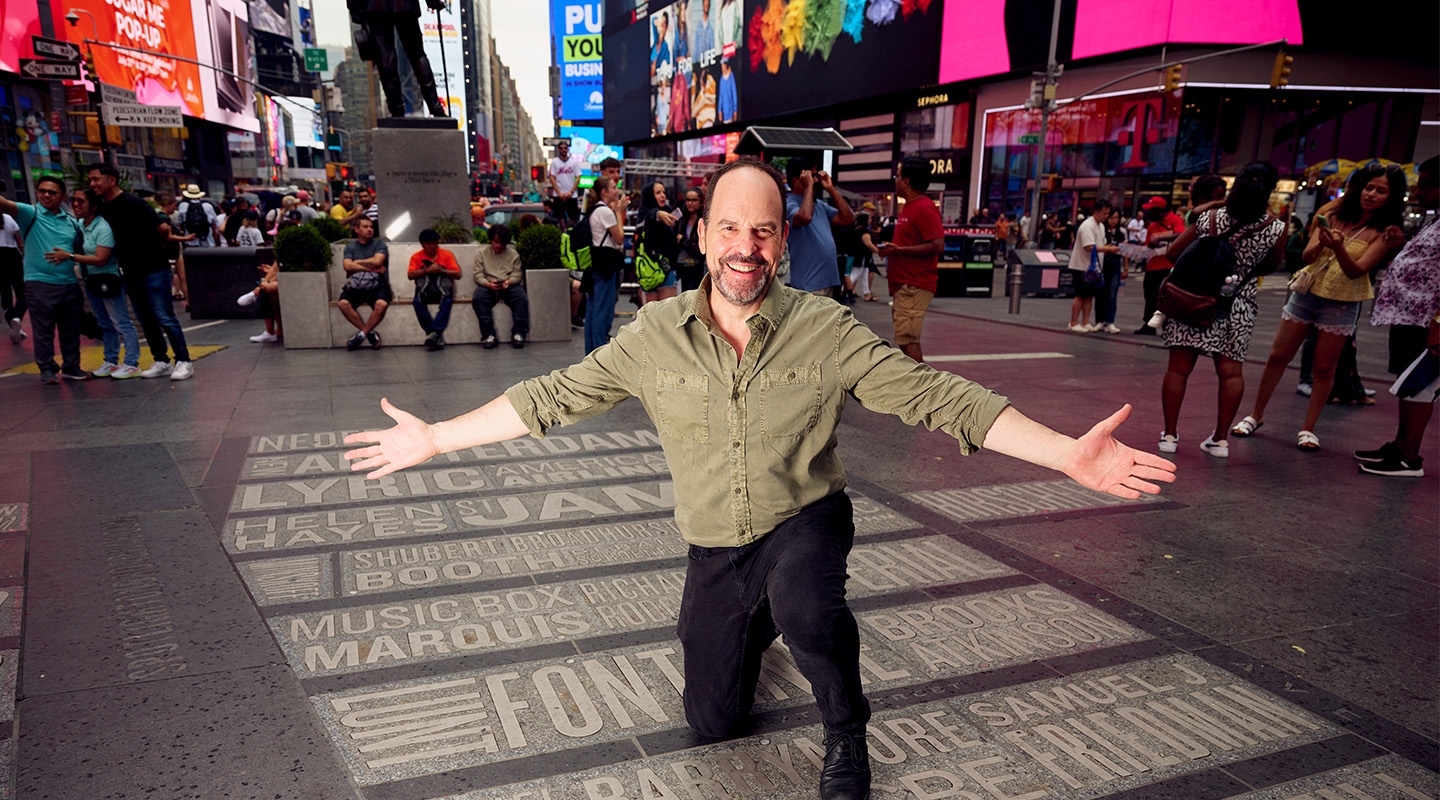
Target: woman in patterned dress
1260, 237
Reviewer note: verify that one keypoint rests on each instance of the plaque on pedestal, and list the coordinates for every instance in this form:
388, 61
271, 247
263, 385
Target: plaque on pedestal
420, 175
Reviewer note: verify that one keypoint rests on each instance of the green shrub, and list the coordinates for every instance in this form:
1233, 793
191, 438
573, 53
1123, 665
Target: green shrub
332, 229
481, 235
450, 230
301, 248
539, 247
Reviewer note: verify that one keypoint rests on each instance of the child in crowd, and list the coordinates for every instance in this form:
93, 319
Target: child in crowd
250, 234
267, 294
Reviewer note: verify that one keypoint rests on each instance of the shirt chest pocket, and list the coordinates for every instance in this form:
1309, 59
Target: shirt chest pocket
683, 404
789, 401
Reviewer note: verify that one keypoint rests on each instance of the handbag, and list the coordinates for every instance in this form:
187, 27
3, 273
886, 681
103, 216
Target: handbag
1302, 281
1196, 310
1093, 275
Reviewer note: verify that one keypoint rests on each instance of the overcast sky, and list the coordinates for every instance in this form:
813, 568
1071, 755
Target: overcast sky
522, 39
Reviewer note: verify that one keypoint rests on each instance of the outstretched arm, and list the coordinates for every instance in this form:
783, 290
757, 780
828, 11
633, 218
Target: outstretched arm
412, 441
1096, 460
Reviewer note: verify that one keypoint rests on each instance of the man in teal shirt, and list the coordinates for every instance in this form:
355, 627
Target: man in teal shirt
52, 291
746, 381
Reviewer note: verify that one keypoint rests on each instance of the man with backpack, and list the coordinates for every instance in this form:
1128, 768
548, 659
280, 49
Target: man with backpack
434, 270
198, 218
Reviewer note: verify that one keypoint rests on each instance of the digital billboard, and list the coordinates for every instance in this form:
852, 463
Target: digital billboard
156, 26
627, 81
1110, 26
223, 41
993, 37
589, 144
575, 28
808, 54
19, 20
271, 16
696, 47
447, 60
305, 122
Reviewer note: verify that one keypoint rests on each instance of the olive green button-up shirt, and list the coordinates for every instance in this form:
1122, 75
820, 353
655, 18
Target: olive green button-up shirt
751, 443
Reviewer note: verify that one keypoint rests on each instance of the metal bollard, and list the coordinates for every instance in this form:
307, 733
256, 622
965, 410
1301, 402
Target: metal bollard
1016, 280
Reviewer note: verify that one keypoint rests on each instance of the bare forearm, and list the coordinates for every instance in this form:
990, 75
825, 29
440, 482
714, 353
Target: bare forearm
496, 421
1018, 436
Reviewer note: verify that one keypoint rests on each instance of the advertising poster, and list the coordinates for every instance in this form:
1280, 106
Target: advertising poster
589, 144
157, 26
305, 122
575, 26
803, 54
307, 27
274, 131
223, 40
696, 46
627, 81
447, 60
271, 16
1110, 26
19, 20
1133, 133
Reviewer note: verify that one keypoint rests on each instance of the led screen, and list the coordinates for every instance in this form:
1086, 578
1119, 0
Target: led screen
575, 26
696, 48
157, 26
627, 82
222, 38
589, 144
1110, 26
19, 20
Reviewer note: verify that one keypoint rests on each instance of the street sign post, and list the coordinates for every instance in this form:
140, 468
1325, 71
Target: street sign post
136, 115
38, 69
317, 59
55, 48
1030, 138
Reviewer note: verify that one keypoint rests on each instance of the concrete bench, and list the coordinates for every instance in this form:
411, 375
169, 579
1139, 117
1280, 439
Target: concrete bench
548, 290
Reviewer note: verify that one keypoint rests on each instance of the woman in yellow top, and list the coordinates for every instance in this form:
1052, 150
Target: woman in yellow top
1348, 241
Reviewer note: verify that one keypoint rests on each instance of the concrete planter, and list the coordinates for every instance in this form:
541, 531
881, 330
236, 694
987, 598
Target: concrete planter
304, 302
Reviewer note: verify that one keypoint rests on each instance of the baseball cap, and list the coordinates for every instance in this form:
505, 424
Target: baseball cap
1155, 202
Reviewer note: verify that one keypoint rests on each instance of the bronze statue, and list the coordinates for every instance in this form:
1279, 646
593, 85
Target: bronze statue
380, 22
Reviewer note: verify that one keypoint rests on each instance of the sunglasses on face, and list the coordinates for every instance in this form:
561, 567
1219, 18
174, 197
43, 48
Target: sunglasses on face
47, 192
1376, 169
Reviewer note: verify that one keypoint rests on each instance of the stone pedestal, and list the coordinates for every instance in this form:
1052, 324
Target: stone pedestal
420, 174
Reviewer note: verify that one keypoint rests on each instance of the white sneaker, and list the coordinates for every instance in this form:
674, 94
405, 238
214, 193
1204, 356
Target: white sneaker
265, 337
1303, 389
1078, 328
1169, 443
1110, 328
106, 370
184, 371
124, 372
159, 369
15, 333
247, 299
1220, 449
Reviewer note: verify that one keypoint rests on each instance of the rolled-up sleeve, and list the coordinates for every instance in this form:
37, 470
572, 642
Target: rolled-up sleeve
886, 380
595, 385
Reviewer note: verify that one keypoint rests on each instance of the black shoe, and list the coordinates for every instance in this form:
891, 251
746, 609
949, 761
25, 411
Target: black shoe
1145, 330
49, 378
355, 341
1397, 466
846, 774
490, 342
433, 341
577, 322
75, 374
1384, 452
517, 341
374, 339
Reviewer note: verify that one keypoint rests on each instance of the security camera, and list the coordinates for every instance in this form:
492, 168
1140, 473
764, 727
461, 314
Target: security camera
72, 18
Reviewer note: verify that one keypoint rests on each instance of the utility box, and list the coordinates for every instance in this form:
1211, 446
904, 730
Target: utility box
1047, 273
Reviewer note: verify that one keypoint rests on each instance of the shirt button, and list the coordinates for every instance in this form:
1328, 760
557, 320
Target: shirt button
737, 490
734, 444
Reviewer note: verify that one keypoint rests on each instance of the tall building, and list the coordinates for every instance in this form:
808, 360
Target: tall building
479, 95
358, 88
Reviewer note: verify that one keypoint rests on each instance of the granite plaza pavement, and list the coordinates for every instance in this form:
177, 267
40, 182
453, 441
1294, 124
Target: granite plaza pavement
199, 601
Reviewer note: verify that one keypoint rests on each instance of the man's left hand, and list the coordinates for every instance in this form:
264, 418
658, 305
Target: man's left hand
826, 183
1098, 461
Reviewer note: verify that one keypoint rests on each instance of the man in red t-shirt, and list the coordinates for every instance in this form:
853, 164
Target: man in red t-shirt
434, 270
914, 254
1162, 226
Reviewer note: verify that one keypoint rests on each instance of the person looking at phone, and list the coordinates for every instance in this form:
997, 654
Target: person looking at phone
434, 270
500, 278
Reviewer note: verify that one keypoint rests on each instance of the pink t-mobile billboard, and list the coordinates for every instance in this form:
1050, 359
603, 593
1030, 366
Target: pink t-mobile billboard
991, 37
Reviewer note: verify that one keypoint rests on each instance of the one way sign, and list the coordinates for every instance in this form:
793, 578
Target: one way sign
55, 48
49, 70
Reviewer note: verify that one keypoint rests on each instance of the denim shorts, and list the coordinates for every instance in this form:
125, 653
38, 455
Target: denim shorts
1328, 316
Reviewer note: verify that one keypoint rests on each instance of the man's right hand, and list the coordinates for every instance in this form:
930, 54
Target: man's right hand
410, 442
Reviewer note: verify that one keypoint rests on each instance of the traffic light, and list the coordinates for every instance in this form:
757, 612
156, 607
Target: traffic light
90, 67
1280, 75
537, 172
1171, 78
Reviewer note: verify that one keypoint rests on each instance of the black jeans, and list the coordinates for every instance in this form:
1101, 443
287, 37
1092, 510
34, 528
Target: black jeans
12, 283
737, 599
52, 306
514, 297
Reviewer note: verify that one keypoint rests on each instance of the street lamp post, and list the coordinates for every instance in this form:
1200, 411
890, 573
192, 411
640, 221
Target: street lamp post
73, 17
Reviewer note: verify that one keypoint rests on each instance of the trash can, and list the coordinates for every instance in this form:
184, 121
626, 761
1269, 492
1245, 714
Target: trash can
1047, 273
967, 264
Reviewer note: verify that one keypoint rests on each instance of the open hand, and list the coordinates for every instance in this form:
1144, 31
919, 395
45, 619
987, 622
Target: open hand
1098, 461
409, 443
